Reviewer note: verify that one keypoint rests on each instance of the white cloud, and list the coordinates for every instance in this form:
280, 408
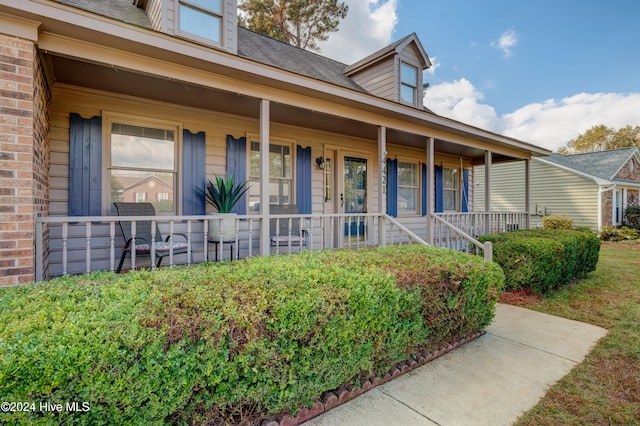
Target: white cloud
461, 101
506, 42
434, 65
370, 22
549, 124
553, 123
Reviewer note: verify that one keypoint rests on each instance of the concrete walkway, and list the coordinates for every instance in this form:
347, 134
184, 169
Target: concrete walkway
492, 380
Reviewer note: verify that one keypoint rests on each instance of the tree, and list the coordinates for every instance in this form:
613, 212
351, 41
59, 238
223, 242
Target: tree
299, 22
627, 136
602, 138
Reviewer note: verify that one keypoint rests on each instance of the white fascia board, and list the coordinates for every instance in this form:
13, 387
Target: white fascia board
626, 184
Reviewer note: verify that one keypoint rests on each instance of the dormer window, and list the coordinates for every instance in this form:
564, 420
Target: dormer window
408, 83
200, 19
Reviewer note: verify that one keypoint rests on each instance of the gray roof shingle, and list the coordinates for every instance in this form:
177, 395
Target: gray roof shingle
602, 164
251, 45
121, 10
268, 51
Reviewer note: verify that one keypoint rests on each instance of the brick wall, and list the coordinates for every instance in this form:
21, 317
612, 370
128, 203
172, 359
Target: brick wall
630, 171
633, 197
24, 157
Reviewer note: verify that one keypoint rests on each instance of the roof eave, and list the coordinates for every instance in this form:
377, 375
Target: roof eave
138, 40
599, 181
635, 153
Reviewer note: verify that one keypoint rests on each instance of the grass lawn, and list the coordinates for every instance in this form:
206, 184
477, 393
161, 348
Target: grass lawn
605, 388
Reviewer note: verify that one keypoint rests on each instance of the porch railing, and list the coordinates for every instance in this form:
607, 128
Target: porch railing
449, 236
475, 223
86, 244
90, 243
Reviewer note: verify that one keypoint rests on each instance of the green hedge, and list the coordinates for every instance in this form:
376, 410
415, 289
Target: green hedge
632, 217
557, 222
542, 260
220, 342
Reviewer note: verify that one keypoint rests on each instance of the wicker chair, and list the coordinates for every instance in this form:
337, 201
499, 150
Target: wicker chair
143, 234
281, 234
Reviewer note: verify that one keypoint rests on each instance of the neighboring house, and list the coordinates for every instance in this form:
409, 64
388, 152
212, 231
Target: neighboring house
593, 188
150, 189
93, 91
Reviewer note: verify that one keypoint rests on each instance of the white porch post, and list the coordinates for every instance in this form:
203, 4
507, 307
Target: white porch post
382, 184
487, 191
265, 239
600, 203
614, 202
430, 188
527, 192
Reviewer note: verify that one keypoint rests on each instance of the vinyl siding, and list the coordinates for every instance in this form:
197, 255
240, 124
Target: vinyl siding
379, 79
217, 126
154, 12
410, 55
230, 26
553, 192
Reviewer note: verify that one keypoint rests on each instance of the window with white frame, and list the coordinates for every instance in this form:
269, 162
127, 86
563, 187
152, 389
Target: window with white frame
141, 160
451, 190
280, 175
408, 83
408, 186
201, 19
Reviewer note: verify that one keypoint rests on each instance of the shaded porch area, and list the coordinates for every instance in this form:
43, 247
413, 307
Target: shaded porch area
338, 208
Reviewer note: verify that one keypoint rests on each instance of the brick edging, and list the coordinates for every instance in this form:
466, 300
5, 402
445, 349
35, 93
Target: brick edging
339, 396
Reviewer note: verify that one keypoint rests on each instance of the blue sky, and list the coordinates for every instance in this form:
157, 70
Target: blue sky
541, 71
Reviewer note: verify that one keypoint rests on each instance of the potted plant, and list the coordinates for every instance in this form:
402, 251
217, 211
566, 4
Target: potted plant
223, 195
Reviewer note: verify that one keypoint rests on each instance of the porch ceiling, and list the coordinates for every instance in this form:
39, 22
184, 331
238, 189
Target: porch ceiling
109, 79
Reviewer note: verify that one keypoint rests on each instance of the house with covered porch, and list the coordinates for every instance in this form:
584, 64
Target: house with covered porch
101, 99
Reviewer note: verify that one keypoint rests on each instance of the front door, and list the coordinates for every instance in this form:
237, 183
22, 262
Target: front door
353, 198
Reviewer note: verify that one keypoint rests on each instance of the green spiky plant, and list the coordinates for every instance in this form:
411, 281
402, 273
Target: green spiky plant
223, 194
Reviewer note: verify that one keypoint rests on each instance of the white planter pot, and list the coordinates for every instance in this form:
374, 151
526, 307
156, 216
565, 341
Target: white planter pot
222, 227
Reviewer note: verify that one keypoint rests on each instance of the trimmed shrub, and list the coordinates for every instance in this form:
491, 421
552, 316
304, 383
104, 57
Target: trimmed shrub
611, 233
632, 217
586, 229
544, 259
557, 222
218, 343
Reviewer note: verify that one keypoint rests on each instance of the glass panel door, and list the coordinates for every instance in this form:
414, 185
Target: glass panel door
355, 194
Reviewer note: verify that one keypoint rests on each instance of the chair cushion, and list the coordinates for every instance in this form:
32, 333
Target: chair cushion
294, 239
161, 246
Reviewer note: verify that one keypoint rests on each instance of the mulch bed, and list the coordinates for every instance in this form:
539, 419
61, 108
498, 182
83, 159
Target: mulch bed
519, 297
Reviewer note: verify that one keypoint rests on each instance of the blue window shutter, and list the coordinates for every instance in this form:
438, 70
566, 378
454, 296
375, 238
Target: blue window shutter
303, 179
424, 189
439, 208
392, 187
85, 166
465, 190
193, 172
237, 166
